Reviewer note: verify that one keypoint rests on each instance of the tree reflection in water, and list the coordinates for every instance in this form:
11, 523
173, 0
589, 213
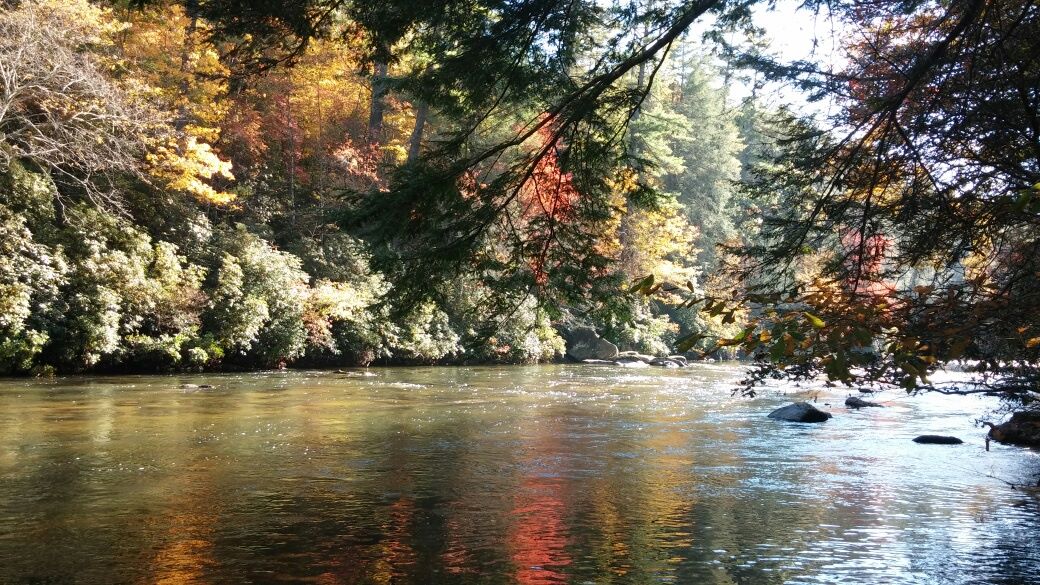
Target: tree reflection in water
562, 474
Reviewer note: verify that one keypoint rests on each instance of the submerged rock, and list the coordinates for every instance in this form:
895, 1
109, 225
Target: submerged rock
599, 362
583, 343
681, 359
355, 374
937, 440
800, 412
628, 356
632, 364
856, 402
1023, 428
666, 362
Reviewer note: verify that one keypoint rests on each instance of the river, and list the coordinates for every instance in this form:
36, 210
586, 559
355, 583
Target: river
530, 475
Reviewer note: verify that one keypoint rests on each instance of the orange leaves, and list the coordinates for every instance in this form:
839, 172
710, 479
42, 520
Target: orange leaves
361, 163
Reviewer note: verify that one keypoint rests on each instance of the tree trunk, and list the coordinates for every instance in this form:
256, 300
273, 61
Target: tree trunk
415, 142
192, 9
626, 232
375, 116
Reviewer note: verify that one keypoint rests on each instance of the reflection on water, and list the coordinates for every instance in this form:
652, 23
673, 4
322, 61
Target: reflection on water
538, 475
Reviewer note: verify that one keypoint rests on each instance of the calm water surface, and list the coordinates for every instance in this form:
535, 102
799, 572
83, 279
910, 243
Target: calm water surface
531, 475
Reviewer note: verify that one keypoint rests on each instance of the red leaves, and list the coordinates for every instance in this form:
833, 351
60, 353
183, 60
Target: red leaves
548, 191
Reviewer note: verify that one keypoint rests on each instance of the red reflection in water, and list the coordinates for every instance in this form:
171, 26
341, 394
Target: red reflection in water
398, 556
391, 560
456, 558
539, 534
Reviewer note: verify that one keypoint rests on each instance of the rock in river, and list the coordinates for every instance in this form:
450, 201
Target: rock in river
856, 402
800, 412
937, 440
583, 343
628, 356
1023, 428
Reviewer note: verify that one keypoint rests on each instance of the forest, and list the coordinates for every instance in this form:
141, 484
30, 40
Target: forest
222, 184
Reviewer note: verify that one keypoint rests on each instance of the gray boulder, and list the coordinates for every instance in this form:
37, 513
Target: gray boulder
937, 440
599, 362
800, 412
856, 402
583, 343
680, 359
665, 362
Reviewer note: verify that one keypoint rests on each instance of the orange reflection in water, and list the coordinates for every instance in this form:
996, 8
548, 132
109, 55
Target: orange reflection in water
187, 553
539, 535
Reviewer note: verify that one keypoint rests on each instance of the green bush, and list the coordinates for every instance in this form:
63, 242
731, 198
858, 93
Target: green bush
122, 293
257, 300
425, 335
31, 276
524, 336
647, 332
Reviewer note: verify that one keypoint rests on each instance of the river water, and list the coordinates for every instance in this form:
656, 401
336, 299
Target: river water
531, 475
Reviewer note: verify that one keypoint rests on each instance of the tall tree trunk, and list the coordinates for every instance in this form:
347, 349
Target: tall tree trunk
292, 159
375, 116
626, 232
415, 142
192, 10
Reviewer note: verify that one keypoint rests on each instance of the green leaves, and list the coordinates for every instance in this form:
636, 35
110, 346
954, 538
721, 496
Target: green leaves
685, 344
644, 286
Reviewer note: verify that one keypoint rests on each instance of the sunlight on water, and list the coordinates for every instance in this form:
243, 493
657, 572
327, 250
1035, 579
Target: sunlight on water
532, 475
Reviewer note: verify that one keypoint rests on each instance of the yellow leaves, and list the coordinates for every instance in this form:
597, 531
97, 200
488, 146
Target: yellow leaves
184, 72
814, 320
659, 242
81, 21
627, 181
202, 133
186, 167
1034, 342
